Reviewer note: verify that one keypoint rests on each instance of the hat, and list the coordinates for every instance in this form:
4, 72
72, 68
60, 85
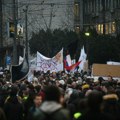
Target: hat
86, 86
118, 81
110, 97
62, 82
96, 80
1, 73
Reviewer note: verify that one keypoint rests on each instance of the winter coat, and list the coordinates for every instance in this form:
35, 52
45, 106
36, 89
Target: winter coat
52, 109
13, 109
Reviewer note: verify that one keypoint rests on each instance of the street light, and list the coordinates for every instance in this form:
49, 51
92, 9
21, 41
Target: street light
87, 34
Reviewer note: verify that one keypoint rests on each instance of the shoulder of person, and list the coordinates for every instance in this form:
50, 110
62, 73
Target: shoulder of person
56, 115
63, 114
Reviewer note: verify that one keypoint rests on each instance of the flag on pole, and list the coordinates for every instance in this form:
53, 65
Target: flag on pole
68, 60
82, 58
19, 72
72, 67
20, 60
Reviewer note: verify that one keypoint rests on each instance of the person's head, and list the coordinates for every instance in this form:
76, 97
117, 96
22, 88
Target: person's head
52, 93
94, 100
110, 103
14, 90
37, 100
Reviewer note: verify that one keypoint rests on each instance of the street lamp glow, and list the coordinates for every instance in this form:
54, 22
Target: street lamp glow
87, 34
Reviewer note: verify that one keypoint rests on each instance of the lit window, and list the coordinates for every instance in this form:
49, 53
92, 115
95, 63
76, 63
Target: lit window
77, 29
76, 10
101, 31
113, 28
109, 25
98, 28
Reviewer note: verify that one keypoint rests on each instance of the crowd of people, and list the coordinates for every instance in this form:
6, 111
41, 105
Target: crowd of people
60, 96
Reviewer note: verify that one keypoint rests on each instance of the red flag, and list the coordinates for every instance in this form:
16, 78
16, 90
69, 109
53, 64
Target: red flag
72, 67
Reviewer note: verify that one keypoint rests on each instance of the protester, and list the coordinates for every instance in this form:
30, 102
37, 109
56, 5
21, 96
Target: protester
2, 115
37, 102
51, 108
69, 96
13, 107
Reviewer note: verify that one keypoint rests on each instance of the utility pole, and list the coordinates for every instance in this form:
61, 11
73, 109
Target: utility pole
26, 31
1, 31
15, 34
51, 15
1, 22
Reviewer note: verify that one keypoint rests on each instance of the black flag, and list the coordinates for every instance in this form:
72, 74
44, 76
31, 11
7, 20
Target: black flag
19, 72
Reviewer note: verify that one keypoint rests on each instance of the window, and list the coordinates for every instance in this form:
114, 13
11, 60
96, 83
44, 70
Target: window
91, 6
111, 4
77, 29
106, 28
113, 27
114, 3
110, 28
106, 4
97, 6
99, 28
76, 9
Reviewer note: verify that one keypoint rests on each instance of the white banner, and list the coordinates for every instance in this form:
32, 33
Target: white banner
54, 64
33, 64
113, 63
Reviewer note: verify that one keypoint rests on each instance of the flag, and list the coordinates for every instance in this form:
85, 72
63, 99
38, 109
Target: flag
72, 67
68, 60
82, 58
20, 60
33, 64
19, 72
73, 61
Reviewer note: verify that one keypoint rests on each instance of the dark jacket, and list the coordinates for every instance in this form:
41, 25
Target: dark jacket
2, 115
93, 115
13, 109
52, 109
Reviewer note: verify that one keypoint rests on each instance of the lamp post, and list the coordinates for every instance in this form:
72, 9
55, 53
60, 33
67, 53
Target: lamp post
15, 34
87, 35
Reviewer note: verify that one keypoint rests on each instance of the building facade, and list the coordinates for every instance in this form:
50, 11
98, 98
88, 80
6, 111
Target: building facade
7, 32
78, 15
41, 14
103, 15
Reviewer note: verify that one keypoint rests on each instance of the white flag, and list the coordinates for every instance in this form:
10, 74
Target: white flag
82, 58
73, 61
20, 60
68, 60
33, 64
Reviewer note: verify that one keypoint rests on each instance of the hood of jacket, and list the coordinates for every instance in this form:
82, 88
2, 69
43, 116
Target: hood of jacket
50, 106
